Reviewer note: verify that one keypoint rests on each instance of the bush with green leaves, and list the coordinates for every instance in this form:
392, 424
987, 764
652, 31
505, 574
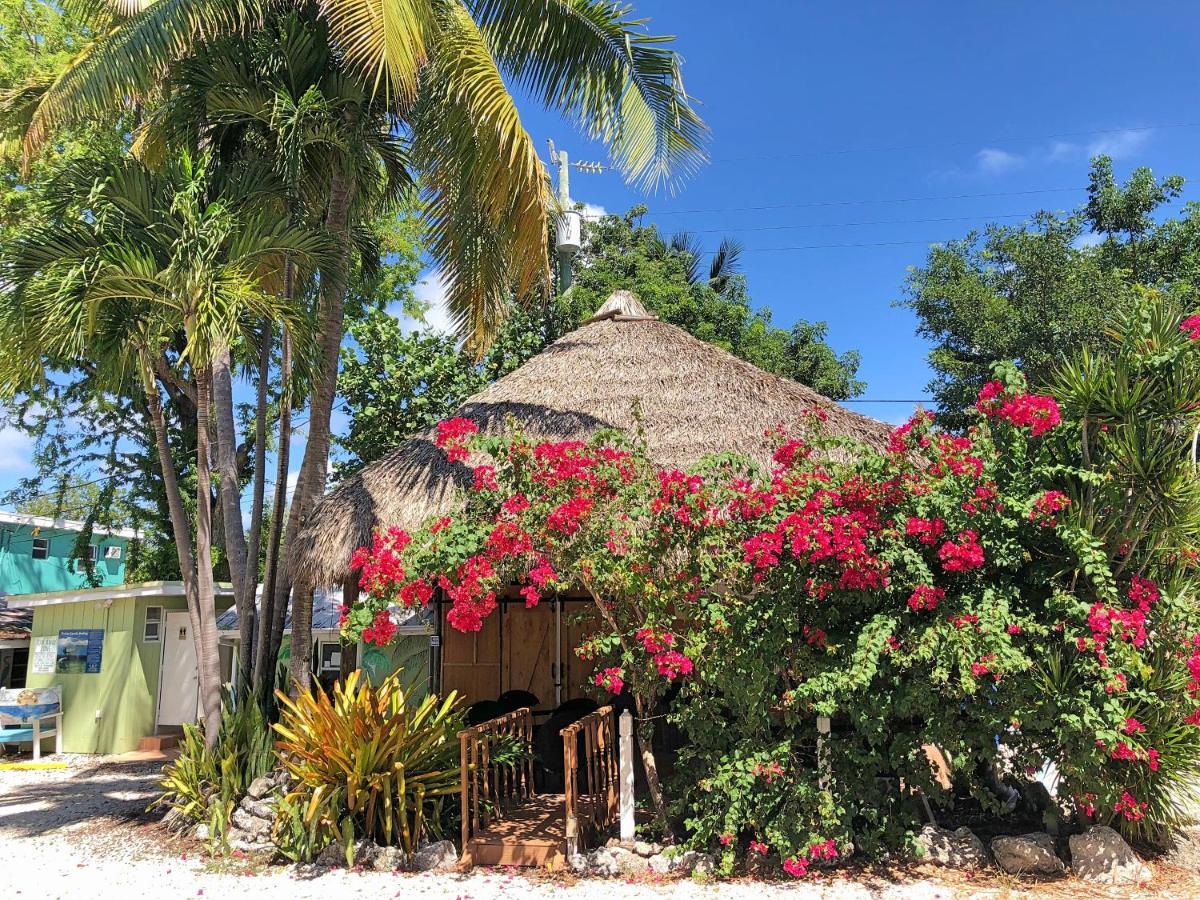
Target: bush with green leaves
366, 762
1030, 581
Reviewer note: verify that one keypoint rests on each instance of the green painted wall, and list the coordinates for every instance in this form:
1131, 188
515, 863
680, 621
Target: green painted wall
125, 690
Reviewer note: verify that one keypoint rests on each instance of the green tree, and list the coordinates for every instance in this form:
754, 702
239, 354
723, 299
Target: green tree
1028, 293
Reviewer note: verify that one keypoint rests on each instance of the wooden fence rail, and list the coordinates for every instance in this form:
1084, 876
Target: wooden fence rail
497, 770
590, 770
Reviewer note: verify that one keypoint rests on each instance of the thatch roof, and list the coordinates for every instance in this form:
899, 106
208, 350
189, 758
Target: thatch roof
696, 399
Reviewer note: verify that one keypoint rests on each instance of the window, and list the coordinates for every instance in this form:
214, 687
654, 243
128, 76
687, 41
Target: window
329, 656
93, 553
153, 623
41, 548
112, 551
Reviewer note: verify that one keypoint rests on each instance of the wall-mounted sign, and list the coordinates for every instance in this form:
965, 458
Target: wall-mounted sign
45, 650
79, 651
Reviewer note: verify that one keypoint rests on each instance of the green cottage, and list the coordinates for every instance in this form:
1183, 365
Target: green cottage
124, 657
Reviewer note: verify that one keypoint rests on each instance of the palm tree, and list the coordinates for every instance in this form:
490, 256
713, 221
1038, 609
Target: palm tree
158, 255
440, 65
282, 98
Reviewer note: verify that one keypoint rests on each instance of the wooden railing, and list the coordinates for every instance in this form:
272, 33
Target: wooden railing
590, 774
497, 770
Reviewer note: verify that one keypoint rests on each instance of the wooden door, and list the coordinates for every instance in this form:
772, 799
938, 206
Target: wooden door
578, 623
471, 660
529, 659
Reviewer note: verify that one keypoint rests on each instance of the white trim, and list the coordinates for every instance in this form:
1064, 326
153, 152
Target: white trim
123, 592
31, 521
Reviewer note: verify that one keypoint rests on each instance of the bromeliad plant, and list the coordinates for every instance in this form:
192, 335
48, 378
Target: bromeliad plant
1032, 579
366, 762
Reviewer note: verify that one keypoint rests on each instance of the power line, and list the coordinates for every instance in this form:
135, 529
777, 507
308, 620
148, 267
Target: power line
1008, 139
839, 246
856, 224
817, 204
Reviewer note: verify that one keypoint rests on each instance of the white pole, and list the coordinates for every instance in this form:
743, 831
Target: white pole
628, 831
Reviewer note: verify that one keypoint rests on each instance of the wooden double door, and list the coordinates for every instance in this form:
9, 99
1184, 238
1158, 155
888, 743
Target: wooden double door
519, 648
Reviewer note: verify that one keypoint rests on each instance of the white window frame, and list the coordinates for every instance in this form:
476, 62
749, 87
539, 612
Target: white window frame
157, 622
43, 545
94, 553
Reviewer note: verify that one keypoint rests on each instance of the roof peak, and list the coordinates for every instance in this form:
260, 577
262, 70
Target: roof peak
620, 305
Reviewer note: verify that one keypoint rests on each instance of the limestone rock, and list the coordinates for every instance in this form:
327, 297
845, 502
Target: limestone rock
693, 862
260, 809
335, 855
252, 825
615, 861
260, 787
643, 848
1027, 854
958, 849
660, 864
388, 859
1101, 855
439, 856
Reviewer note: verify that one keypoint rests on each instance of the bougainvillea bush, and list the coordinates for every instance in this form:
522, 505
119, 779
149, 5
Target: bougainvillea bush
1017, 594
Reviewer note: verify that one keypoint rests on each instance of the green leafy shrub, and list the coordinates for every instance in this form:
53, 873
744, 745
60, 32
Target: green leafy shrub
203, 784
365, 763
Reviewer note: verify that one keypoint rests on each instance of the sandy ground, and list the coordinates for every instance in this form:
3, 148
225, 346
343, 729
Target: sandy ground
82, 832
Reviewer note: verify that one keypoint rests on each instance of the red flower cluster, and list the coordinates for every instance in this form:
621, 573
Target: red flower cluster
470, 596
655, 642
982, 666
962, 554
1191, 327
1127, 624
380, 566
452, 437
381, 631
611, 679
927, 531
485, 479
925, 598
898, 440
768, 772
1129, 807
757, 846
798, 866
569, 515
508, 540
1036, 412
416, 593
672, 664
1046, 508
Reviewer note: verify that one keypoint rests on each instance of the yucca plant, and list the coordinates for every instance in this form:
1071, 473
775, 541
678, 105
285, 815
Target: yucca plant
365, 762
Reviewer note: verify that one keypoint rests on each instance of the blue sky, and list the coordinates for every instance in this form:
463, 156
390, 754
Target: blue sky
820, 112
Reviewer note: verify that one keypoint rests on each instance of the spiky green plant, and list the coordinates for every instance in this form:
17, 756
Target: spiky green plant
365, 762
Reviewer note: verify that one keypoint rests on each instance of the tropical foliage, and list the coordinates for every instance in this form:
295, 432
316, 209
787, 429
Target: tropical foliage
1031, 579
365, 763
1030, 292
203, 785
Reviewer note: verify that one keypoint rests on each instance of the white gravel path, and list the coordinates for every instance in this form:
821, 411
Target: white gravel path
82, 833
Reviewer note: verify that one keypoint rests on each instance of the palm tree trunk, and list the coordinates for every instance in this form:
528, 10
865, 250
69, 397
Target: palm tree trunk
271, 620
311, 482
230, 493
248, 631
208, 660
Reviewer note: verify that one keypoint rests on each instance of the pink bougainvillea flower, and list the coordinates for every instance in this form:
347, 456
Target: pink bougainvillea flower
452, 435
611, 679
1191, 327
925, 598
962, 554
1046, 507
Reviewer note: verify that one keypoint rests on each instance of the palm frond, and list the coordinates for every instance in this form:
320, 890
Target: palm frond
486, 189
387, 40
595, 63
726, 263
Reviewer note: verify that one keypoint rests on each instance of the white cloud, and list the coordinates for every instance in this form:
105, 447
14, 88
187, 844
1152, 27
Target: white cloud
16, 451
991, 161
1088, 239
593, 211
1118, 145
292, 479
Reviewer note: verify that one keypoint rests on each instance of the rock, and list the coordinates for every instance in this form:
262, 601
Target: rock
201, 832
439, 856
388, 859
958, 849
615, 861
705, 867
1027, 854
660, 864
335, 855
252, 825
692, 862
579, 863
260, 809
642, 848
1183, 849
1101, 855
260, 787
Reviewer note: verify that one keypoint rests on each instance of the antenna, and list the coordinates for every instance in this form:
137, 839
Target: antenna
569, 231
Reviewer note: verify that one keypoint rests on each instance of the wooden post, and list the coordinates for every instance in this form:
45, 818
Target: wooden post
628, 829
823, 768
570, 765
463, 737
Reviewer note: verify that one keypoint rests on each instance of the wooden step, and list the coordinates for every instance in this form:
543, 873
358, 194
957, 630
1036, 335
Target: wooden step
533, 834
158, 742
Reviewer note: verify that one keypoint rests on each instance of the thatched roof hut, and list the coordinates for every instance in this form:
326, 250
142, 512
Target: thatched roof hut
696, 399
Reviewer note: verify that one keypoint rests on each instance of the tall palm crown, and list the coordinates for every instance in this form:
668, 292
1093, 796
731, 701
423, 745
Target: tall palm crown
441, 66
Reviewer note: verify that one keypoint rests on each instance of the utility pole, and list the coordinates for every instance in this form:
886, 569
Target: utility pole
569, 227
